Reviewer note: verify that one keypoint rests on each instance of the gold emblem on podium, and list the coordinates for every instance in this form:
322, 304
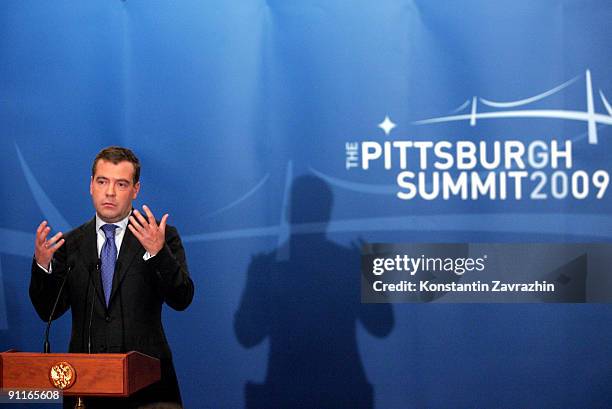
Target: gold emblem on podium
62, 375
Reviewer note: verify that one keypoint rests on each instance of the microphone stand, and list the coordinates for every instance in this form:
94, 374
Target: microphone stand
92, 306
47, 345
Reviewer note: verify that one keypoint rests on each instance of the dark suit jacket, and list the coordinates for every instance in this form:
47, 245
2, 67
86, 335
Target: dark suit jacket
132, 320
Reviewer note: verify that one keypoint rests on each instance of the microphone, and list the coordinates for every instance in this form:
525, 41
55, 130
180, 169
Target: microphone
47, 345
98, 266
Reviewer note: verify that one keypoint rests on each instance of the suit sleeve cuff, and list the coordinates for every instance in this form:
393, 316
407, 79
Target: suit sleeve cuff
163, 261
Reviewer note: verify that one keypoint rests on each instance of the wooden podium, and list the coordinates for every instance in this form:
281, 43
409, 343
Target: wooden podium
81, 375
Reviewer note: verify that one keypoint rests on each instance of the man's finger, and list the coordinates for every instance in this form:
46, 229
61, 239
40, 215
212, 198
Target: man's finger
162, 224
58, 245
53, 239
134, 223
135, 232
41, 227
149, 215
42, 234
140, 218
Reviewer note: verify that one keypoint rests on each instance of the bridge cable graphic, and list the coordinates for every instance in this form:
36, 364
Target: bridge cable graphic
589, 116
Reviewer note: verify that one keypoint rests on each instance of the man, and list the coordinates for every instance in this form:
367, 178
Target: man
119, 267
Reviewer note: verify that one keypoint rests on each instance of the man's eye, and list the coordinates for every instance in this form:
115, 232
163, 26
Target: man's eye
101, 182
122, 185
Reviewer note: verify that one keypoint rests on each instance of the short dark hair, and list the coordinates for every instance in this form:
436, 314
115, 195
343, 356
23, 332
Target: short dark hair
116, 154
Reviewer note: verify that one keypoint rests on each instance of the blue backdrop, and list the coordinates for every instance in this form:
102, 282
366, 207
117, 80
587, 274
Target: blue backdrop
228, 102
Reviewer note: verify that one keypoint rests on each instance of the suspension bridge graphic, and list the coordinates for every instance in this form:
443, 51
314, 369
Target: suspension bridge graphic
590, 116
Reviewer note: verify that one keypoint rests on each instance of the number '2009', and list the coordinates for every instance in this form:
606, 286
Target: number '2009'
561, 184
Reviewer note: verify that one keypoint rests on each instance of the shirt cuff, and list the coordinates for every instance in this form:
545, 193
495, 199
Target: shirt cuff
45, 269
147, 256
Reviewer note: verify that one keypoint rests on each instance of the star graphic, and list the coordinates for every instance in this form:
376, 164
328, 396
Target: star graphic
387, 125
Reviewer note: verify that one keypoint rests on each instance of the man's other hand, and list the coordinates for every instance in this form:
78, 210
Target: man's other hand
43, 248
148, 233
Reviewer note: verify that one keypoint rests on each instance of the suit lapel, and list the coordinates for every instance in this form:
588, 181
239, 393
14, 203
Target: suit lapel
130, 248
89, 253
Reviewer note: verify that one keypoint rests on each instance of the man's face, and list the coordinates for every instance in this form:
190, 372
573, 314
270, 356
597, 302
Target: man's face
112, 190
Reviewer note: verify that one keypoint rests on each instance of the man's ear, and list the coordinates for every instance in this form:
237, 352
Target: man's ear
136, 190
91, 186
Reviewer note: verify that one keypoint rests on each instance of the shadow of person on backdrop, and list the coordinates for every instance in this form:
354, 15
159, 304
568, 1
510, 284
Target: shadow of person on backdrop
305, 298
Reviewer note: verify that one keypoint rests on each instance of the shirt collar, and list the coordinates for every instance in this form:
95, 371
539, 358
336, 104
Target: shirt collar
121, 224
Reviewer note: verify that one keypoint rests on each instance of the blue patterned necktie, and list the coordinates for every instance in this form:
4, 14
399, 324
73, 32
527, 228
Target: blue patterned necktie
108, 259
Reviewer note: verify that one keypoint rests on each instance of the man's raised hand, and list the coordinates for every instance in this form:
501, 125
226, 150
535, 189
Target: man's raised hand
148, 233
43, 248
